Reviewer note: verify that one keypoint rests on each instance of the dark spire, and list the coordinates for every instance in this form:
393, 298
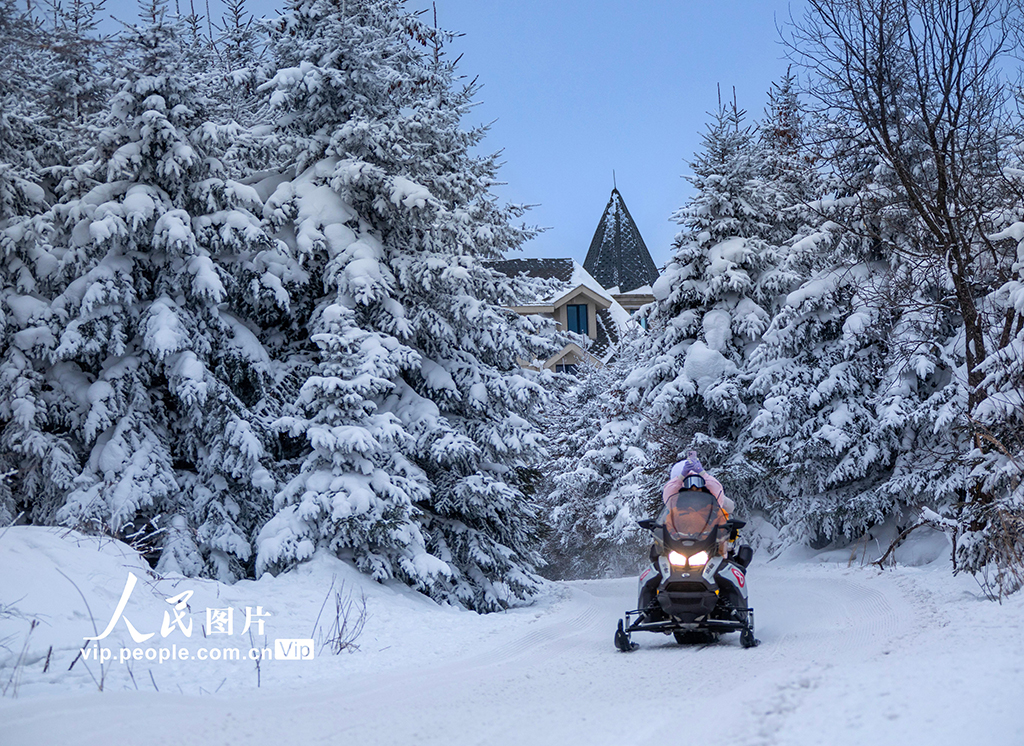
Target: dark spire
618, 256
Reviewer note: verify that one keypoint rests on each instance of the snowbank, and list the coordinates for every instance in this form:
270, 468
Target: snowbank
70, 584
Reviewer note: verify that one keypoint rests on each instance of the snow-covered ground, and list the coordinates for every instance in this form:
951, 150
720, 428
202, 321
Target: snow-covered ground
849, 655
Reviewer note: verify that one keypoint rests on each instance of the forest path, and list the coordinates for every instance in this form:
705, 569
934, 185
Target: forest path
848, 656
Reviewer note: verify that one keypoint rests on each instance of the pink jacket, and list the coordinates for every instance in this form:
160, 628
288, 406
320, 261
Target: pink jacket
674, 485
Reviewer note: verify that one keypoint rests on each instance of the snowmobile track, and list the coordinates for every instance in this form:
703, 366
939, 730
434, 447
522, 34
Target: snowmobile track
552, 634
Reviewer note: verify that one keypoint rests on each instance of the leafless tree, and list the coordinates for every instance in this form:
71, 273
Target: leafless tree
921, 81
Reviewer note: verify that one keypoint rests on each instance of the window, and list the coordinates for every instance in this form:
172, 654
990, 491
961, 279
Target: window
576, 318
570, 369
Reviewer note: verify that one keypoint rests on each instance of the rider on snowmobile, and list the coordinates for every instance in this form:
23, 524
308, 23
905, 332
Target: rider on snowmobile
690, 475
695, 586
691, 467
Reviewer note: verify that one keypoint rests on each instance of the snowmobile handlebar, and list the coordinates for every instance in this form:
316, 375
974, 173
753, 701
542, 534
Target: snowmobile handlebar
731, 526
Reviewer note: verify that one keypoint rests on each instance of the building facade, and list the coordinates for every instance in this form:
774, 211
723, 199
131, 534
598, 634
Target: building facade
593, 301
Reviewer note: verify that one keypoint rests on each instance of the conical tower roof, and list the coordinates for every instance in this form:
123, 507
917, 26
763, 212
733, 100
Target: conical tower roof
618, 256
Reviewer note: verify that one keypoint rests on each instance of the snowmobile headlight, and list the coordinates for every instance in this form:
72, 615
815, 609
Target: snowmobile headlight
699, 559
677, 559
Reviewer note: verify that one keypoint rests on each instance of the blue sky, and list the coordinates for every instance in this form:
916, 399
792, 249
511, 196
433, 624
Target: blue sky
576, 90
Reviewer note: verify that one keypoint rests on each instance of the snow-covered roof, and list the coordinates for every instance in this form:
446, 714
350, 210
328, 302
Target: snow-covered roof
612, 319
569, 273
642, 290
580, 276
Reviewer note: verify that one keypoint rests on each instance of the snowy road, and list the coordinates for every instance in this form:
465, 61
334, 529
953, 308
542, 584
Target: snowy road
848, 656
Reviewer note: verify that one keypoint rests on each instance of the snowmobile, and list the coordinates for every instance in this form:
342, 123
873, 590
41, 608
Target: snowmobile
695, 588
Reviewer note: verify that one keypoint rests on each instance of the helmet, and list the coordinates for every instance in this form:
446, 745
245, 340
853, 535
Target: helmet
693, 482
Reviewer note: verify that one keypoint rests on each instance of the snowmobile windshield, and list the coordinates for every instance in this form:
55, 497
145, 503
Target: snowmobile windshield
692, 515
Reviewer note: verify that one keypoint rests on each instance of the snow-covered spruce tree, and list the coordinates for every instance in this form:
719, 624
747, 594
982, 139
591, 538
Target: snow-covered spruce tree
416, 414
850, 377
33, 455
77, 81
790, 179
162, 366
240, 47
713, 300
26, 145
605, 474
938, 123
36, 456
198, 46
994, 545
813, 433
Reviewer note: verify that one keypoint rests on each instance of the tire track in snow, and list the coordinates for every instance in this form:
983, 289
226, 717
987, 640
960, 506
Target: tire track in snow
817, 614
556, 631
831, 621
498, 685
575, 614
554, 677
